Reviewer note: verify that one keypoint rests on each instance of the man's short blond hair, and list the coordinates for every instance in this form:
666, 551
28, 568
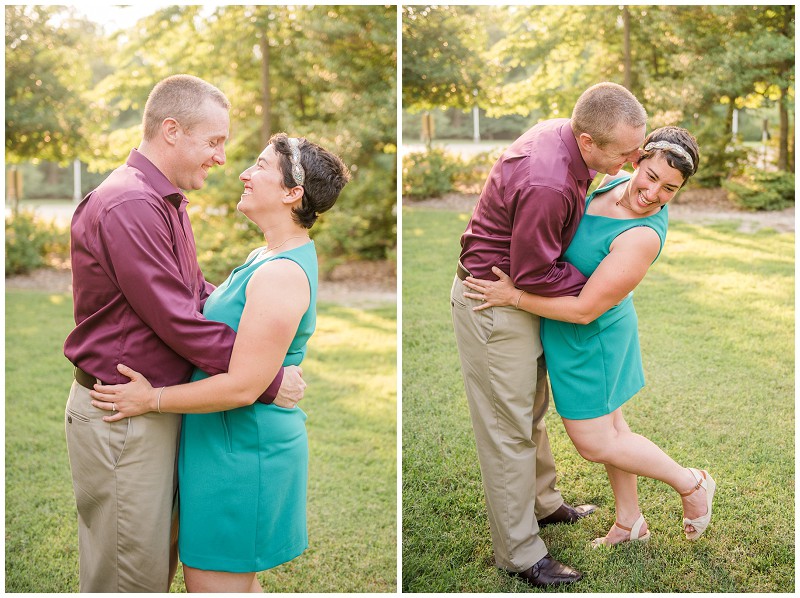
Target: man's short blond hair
602, 107
180, 97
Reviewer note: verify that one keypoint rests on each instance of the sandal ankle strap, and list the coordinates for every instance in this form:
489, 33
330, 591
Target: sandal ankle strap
697, 486
632, 531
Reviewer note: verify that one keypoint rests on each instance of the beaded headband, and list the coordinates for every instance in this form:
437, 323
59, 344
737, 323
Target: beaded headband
670, 147
298, 173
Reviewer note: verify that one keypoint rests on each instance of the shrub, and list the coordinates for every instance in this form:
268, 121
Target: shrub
720, 158
436, 172
759, 190
473, 171
428, 174
363, 223
32, 243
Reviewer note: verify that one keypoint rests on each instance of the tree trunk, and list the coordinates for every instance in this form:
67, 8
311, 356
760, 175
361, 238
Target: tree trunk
266, 97
626, 22
783, 140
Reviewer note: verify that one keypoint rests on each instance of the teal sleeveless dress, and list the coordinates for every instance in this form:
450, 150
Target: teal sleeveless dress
242, 473
595, 368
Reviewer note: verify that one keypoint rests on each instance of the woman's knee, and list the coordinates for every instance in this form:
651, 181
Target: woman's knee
593, 443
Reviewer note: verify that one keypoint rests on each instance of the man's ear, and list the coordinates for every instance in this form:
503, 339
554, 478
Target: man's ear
169, 130
586, 142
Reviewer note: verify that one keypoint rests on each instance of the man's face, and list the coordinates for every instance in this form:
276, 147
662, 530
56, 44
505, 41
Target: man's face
623, 148
201, 147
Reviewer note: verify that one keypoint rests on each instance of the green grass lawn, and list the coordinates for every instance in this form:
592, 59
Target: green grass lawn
351, 407
716, 318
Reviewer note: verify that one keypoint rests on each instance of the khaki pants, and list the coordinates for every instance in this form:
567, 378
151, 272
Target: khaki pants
125, 482
505, 382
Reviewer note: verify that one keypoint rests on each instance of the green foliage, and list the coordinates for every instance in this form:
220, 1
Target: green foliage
436, 172
50, 57
442, 48
682, 62
30, 242
428, 174
327, 73
759, 190
720, 156
363, 223
717, 326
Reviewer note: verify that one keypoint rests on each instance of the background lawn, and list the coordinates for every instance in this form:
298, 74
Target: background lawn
351, 406
716, 317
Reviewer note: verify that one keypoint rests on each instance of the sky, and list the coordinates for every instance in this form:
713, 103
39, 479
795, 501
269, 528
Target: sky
118, 16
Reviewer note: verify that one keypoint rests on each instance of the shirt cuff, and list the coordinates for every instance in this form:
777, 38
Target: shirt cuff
272, 390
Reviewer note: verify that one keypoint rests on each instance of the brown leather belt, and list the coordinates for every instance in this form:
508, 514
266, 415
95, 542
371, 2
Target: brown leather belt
462, 272
84, 379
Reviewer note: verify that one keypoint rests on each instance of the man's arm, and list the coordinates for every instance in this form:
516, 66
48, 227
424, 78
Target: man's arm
537, 243
139, 247
266, 314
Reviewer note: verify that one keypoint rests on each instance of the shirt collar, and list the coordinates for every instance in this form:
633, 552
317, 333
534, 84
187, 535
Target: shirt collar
580, 169
156, 179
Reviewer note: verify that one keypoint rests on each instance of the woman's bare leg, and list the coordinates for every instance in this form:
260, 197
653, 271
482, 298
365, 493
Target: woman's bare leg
198, 580
609, 440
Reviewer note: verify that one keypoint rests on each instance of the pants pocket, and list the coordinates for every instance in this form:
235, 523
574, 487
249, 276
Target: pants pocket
119, 438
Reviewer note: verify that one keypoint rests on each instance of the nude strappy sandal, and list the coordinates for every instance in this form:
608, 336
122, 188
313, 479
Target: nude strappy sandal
633, 531
705, 481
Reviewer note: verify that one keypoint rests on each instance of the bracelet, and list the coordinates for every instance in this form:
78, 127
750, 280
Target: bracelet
158, 400
521, 293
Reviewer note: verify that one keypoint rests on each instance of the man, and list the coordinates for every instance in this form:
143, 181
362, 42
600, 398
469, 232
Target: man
525, 218
138, 297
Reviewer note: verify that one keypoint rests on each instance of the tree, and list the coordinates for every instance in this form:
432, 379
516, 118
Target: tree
48, 79
442, 56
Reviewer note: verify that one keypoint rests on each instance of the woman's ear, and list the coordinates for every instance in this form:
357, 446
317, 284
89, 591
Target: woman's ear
294, 194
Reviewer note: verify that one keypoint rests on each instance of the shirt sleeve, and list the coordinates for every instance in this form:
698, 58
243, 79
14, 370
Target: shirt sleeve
138, 245
538, 242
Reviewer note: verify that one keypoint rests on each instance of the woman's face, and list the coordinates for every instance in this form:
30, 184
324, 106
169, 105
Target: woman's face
654, 184
263, 182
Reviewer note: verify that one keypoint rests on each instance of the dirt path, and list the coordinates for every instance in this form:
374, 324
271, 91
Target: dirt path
699, 206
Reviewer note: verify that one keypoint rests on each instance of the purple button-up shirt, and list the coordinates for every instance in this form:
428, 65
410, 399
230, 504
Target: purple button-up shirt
529, 211
137, 288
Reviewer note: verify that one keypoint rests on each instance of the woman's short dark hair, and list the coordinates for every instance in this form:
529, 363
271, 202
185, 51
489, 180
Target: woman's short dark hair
325, 177
680, 137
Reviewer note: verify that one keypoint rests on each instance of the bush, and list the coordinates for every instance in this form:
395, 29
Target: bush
720, 158
428, 174
363, 223
32, 243
759, 190
472, 172
436, 172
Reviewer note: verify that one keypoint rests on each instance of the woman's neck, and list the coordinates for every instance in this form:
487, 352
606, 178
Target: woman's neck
280, 238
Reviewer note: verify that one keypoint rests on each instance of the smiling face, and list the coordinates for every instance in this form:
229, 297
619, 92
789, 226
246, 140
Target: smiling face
200, 147
263, 182
610, 158
654, 184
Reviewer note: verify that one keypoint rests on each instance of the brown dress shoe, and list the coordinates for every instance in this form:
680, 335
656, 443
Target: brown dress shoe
548, 572
567, 514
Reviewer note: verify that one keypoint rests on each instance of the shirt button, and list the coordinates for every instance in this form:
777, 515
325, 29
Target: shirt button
69, 419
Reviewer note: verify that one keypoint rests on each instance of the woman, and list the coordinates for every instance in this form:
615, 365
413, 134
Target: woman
243, 464
591, 341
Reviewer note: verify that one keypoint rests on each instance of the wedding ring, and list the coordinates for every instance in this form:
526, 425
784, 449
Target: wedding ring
113, 406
